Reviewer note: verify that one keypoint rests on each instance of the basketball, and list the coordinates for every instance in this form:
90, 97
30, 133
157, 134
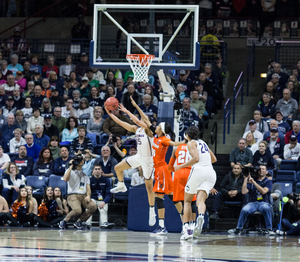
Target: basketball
112, 103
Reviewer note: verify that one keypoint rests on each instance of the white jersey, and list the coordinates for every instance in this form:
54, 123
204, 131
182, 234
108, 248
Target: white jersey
143, 143
204, 155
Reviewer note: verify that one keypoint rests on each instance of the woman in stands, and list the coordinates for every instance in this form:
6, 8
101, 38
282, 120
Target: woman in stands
110, 92
22, 208
201, 180
34, 120
34, 202
263, 156
27, 110
149, 91
143, 158
54, 147
85, 111
266, 106
50, 210
70, 132
74, 82
251, 143
110, 79
95, 99
44, 165
59, 198
81, 142
46, 107
95, 124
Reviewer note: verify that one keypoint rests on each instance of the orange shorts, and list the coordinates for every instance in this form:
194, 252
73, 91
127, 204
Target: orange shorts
180, 179
163, 180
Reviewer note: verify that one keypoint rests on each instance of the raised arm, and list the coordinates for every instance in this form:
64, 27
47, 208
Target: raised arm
142, 114
128, 127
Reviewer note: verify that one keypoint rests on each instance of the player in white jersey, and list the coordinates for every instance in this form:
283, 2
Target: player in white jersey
201, 180
143, 158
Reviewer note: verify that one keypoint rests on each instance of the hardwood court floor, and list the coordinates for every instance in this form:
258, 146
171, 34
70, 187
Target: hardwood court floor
32, 244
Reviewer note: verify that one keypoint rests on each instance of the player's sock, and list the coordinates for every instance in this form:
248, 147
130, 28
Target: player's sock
121, 183
152, 209
201, 215
162, 222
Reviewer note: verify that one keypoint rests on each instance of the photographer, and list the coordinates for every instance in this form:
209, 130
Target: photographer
79, 193
259, 190
291, 216
117, 150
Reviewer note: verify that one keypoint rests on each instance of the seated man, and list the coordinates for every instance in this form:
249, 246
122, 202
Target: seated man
261, 125
275, 146
33, 150
39, 137
294, 131
287, 105
129, 172
23, 162
291, 151
148, 108
283, 126
81, 142
100, 187
241, 155
273, 124
230, 189
258, 136
118, 151
180, 92
49, 128
8, 129
259, 191
131, 92
3, 210
107, 162
61, 162
57, 120
9, 108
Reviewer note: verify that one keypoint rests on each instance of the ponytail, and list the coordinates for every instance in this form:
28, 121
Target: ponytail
172, 136
168, 130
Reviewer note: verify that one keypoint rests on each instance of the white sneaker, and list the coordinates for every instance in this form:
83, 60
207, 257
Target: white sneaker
152, 218
193, 228
120, 187
183, 232
188, 234
199, 224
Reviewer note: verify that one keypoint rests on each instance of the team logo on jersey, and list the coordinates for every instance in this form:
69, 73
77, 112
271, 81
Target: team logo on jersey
187, 188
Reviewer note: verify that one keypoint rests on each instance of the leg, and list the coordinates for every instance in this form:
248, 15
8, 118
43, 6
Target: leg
150, 193
41, 222
6, 192
55, 222
287, 224
266, 210
89, 221
119, 168
218, 198
14, 222
248, 209
201, 197
103, 214
75, 203
187, 213
2, 218
295, 231
159, 200
90, 208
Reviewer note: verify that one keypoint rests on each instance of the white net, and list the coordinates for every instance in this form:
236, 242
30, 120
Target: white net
140, 65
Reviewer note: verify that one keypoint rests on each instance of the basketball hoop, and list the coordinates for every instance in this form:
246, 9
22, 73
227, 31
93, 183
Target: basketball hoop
140, 64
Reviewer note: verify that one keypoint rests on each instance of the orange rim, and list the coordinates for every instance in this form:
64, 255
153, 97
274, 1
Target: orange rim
144, 59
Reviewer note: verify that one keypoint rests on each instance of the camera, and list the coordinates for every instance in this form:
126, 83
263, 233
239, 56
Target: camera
253, 170
76, 161
114, 139
177, 102
294, 196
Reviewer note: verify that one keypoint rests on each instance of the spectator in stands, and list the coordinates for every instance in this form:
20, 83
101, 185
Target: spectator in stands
38, 98
34, 120
9, 108
292, 150
266, 107
55, 99
3, 96
57, 120
49, 67
3, 210
35, 64
220, 70
50, 129
283, 126
8, 129
82, 67
251, 143
131, 92
277, 86
44, 165
36, 78
94, 99
85, 88
120, 89
296, 114
252, 129
294, 79
95, 124
27, 110
76, 99
18, 100
61, 163
110, 78
17, 141
90, 75
198, 104
270, 88
74, 82
70, 132
23, 161
273, 123
102, 90
5, 72
263, 156
4, 160
20, 80
230, 190
259, 191
189, 116
12, 181
149, 91
67, 68
14, 67
283, 77
67, 88
80, 30
46, 107
68, 110
39, 137
27, 74
205, 8
261, 125
107, 162
186, 82
180, 92
290, 86
111, 127
110, 92
295, 131
81, 142
241, 155
208, 91
148, 108
35, 204
224, 8
33, 149
85, 111
100, 188
118, 151
210, 75
54, 147
275, 146
129, 172
10, 86
46, 89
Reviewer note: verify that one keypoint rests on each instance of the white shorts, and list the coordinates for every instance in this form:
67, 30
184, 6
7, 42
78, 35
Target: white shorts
203, 178
145, 162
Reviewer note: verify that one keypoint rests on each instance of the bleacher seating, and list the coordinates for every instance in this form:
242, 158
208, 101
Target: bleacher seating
38, 184
288, 165
57, 181
286, 187
286, 176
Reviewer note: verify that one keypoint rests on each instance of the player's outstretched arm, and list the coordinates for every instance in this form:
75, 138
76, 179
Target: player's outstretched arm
192, 147
142, 114
213, 157
172, 161
178, 143
133, 117
128, 127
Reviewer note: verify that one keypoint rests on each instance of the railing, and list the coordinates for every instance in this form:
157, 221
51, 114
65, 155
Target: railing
226, 115
240, 85
287, 53
214, 136
250, 65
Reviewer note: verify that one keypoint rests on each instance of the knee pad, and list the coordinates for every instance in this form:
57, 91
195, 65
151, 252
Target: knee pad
159, 203
194, 207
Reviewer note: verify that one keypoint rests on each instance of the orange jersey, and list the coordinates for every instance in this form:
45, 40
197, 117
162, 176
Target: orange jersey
160, 147
182, 155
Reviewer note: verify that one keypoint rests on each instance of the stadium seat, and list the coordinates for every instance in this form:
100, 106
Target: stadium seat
286, 188
286, 176
57, 181
298, 176
297, 189
288, 165
38, 184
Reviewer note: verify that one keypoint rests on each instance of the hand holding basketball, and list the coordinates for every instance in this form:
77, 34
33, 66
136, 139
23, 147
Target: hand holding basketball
111, 103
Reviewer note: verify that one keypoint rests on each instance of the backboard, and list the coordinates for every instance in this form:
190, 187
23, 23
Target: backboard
170, 32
